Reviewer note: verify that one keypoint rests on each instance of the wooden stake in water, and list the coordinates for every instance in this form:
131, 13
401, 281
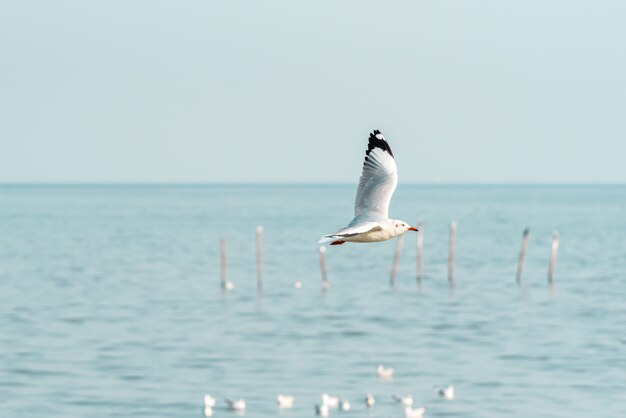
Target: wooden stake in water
325, 282
396, 258
223, 262
553, 250
420, 252
451, 253
259, 260
522, 254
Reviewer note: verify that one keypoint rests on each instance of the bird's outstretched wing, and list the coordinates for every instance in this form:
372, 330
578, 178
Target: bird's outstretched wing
378, 180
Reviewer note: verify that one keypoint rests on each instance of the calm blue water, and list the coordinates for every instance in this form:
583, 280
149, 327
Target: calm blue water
111, 306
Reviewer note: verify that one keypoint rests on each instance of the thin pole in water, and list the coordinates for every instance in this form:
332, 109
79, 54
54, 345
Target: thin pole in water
420, 253
325, 282
451, 253
259, 259
553, 251
522, 254
223, 262
396, 258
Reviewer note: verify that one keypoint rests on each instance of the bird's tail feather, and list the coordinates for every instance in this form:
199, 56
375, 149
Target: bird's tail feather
326, 238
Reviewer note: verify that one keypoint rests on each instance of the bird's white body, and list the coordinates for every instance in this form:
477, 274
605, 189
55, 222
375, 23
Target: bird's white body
208, 411
414, 413
378, 181
404, 400
330, 401
285, 401
369, 400
384, 372
236, 405
209, 400
447, 393
321, 410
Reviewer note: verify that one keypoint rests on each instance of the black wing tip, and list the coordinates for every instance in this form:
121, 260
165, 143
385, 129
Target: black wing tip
377, 140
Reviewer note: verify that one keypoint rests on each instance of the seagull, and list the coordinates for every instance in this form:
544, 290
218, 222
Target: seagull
376, 186
447, 393
330, 401
209, 400
384, 373
285, 401
298, 285
208, 411
237, 405
321, 410
369, 400
414, 413
404, 400
345, 405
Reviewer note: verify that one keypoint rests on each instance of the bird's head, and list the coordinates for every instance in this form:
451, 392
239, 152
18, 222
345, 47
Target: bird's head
401, 227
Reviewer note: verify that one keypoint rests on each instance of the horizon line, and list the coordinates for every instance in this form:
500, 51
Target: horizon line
304, 183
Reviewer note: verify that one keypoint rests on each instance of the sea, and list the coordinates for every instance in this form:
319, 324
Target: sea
111, 302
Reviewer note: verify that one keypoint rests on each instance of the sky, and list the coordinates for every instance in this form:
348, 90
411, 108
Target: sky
282, 91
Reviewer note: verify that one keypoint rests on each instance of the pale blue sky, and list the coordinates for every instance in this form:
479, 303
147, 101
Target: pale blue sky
287, 91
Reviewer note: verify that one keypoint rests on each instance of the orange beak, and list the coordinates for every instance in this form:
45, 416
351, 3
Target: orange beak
412, 228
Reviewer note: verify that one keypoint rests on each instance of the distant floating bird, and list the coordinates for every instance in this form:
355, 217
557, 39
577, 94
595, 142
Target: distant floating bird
376, 186
447, 392
321, 410
344, 405
369, 400
236, 405
414, 413
228, 285
404, 400
330, 401
285, 401
298, 285
208, 411
384, 372
209, 400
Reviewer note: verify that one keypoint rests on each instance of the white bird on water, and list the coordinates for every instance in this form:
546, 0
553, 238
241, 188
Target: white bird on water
376, 186
209, 400
414, 413
285, 401
369, 400
404, 400
384, 373
447, 392
330, 401
344, 405
321, 410
236, 405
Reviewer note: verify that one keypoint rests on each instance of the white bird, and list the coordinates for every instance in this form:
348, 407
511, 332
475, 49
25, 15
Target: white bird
285, 401
404, 400
345, 405
228, 285
236, 405
321, 410
414, 413
208, 411
369, 400
209, 400
447, 392
330, 401
376, 186
384, 373
298, 285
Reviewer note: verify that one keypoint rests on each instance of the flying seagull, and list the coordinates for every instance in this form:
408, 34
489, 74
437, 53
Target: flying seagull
376, 186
